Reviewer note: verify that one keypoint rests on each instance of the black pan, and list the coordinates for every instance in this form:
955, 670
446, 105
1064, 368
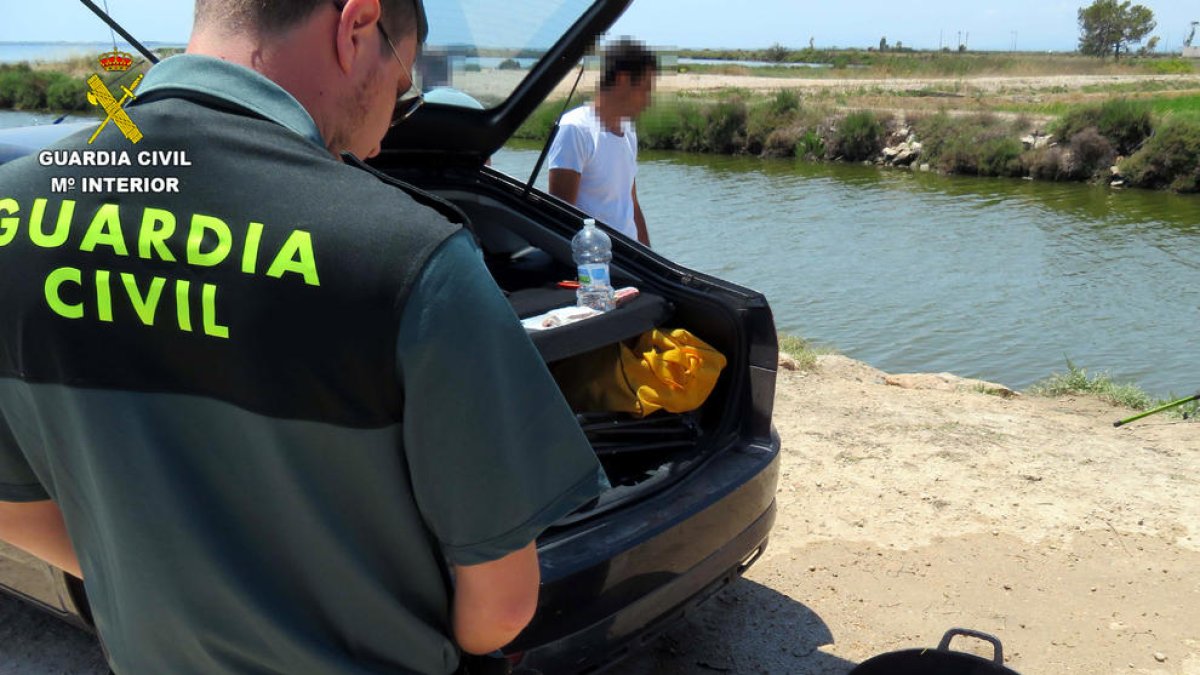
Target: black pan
940, 661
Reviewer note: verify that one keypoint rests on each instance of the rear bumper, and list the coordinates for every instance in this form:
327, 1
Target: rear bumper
654, 562
601, 646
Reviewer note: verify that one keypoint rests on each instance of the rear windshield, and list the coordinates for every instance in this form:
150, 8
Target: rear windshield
484, 48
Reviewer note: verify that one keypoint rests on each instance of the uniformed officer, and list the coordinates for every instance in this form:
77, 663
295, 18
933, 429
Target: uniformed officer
266, 416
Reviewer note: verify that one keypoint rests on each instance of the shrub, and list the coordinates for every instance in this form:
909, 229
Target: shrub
66, 93
1090, 153
692, 128
1045, 163
982, 145
781, 142
776, 53
1126, 124
661, 126
1170, 159
509, 64
726, 133
10, 81
999, 156
30, 93
858, 137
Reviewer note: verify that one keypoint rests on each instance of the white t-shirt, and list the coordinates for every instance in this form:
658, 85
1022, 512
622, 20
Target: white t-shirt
606, 163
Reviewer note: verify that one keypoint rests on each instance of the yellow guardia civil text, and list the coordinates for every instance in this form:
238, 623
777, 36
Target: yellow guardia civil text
91, 294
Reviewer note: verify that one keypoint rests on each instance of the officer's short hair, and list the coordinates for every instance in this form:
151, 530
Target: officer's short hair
627, 55
276, 16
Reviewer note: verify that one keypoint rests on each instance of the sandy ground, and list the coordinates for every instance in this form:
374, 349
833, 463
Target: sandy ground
687, 82
499, 83
912, 504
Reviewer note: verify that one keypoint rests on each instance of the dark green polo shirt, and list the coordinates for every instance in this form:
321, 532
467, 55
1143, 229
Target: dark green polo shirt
270, 424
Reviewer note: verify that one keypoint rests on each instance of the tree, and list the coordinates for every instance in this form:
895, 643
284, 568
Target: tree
883, 44
1108, 26
776, 53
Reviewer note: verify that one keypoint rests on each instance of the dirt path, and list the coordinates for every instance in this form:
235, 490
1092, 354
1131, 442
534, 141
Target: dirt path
912, 507
907, 511
986, 84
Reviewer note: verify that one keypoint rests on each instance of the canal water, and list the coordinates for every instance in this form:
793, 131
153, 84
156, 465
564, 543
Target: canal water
992, 278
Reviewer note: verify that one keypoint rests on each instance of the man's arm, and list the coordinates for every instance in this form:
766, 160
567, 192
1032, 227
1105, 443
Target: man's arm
494, 601
38, 529
638, 219
564, 184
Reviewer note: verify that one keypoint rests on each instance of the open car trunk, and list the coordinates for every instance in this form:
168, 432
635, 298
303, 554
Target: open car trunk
525, 237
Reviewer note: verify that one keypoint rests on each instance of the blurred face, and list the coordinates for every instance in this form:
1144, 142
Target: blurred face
634, 96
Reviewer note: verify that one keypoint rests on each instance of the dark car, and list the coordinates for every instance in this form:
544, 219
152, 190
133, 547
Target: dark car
693, 494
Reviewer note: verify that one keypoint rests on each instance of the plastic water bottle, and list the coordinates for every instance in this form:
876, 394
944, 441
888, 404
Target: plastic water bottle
592, 250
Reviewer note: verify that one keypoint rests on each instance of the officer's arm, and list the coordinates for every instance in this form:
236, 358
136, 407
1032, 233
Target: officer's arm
564, 184
494, 601
38, 529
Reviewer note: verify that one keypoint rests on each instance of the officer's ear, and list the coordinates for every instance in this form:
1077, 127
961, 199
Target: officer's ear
357, 33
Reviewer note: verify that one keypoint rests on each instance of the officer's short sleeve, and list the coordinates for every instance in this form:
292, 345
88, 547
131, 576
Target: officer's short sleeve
495, 454
569, 149
17, 480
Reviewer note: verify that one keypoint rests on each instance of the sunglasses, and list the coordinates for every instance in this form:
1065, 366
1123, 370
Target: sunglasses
408, 102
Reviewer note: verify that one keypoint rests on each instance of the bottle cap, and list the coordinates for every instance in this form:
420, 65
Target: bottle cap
589, 222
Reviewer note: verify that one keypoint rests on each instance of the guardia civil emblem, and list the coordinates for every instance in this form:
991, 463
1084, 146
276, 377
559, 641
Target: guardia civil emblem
114, 108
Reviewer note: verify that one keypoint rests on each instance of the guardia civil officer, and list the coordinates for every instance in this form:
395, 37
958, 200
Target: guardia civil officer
267, 417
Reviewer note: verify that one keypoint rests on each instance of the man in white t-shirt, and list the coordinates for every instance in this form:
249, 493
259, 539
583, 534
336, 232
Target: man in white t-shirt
593, 160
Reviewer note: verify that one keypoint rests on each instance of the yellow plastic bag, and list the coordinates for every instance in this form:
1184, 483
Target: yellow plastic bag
670, 370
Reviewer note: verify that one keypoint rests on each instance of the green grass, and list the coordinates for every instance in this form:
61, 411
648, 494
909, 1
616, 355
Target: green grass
804, 352
1186, 107
1077, 381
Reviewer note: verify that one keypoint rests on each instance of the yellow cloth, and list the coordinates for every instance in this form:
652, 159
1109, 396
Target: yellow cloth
672, 370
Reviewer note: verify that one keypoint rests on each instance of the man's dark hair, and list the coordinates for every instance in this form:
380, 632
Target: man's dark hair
275, 16
627, 56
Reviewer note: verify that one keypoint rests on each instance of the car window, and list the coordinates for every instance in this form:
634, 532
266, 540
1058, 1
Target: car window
484, 48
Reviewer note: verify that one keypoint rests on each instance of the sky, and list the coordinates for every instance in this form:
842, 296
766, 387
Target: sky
991, 25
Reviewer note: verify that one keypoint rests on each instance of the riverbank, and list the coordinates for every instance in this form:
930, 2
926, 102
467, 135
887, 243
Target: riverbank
1024, 126
910, 504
